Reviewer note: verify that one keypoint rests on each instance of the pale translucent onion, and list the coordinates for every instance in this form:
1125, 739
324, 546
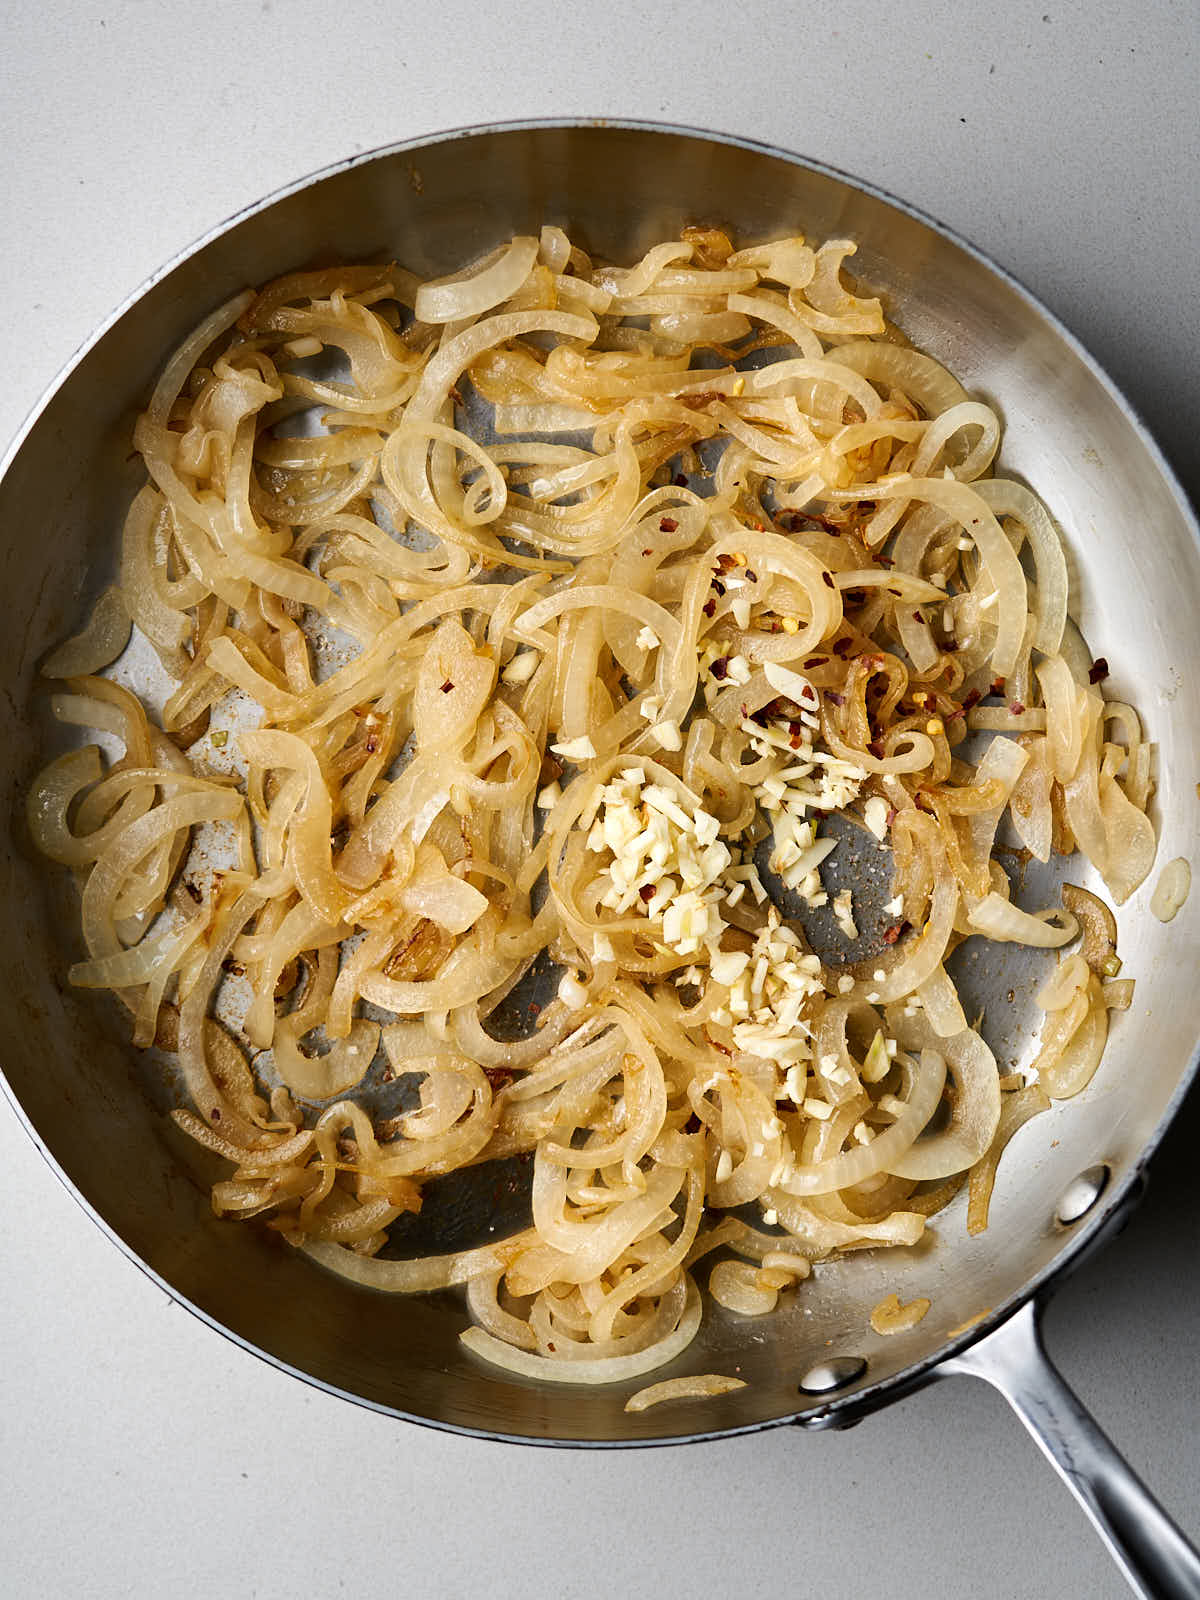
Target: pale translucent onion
434, 660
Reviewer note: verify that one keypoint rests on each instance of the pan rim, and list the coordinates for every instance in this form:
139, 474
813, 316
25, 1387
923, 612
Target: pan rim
870, 1396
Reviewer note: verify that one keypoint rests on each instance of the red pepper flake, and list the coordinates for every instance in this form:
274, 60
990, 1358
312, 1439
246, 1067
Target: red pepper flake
917, 617
234, 968
646, 893
1016, 708
709, 608
997, 686
215, 1114
795, 739
827, 579
726, 563
720, 667
668, 524
720, 589
751, 576
815, 661
372, 744
647, 552
892, 934
854, 597
885, 561
533, 1008
836, 699
1098, 670
891, 816
802, 519
875, 748
447, 686
842, 647
972, 700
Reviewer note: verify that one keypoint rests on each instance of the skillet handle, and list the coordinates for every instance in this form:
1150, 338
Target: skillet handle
1157, 1560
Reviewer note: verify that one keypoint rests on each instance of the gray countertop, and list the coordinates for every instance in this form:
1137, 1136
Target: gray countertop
144, 1456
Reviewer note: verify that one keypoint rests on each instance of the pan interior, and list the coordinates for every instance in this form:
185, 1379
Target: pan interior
97, 1106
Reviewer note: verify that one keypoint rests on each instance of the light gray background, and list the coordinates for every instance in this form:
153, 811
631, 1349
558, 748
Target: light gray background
140, 1454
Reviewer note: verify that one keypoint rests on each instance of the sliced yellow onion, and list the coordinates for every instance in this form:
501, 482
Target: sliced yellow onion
469, 294
423, 1274
889, 1145
1015, 1112
1073, 1041
100, 642
974, 1112
702, 1387
999, 919
889, 1316
736, 1286
610, 1369
1172, 889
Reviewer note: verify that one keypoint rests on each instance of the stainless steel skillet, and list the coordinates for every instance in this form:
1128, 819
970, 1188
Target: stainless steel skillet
96, 1109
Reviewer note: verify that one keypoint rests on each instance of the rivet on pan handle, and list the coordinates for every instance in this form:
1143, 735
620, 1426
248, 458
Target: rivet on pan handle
1151, 1551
